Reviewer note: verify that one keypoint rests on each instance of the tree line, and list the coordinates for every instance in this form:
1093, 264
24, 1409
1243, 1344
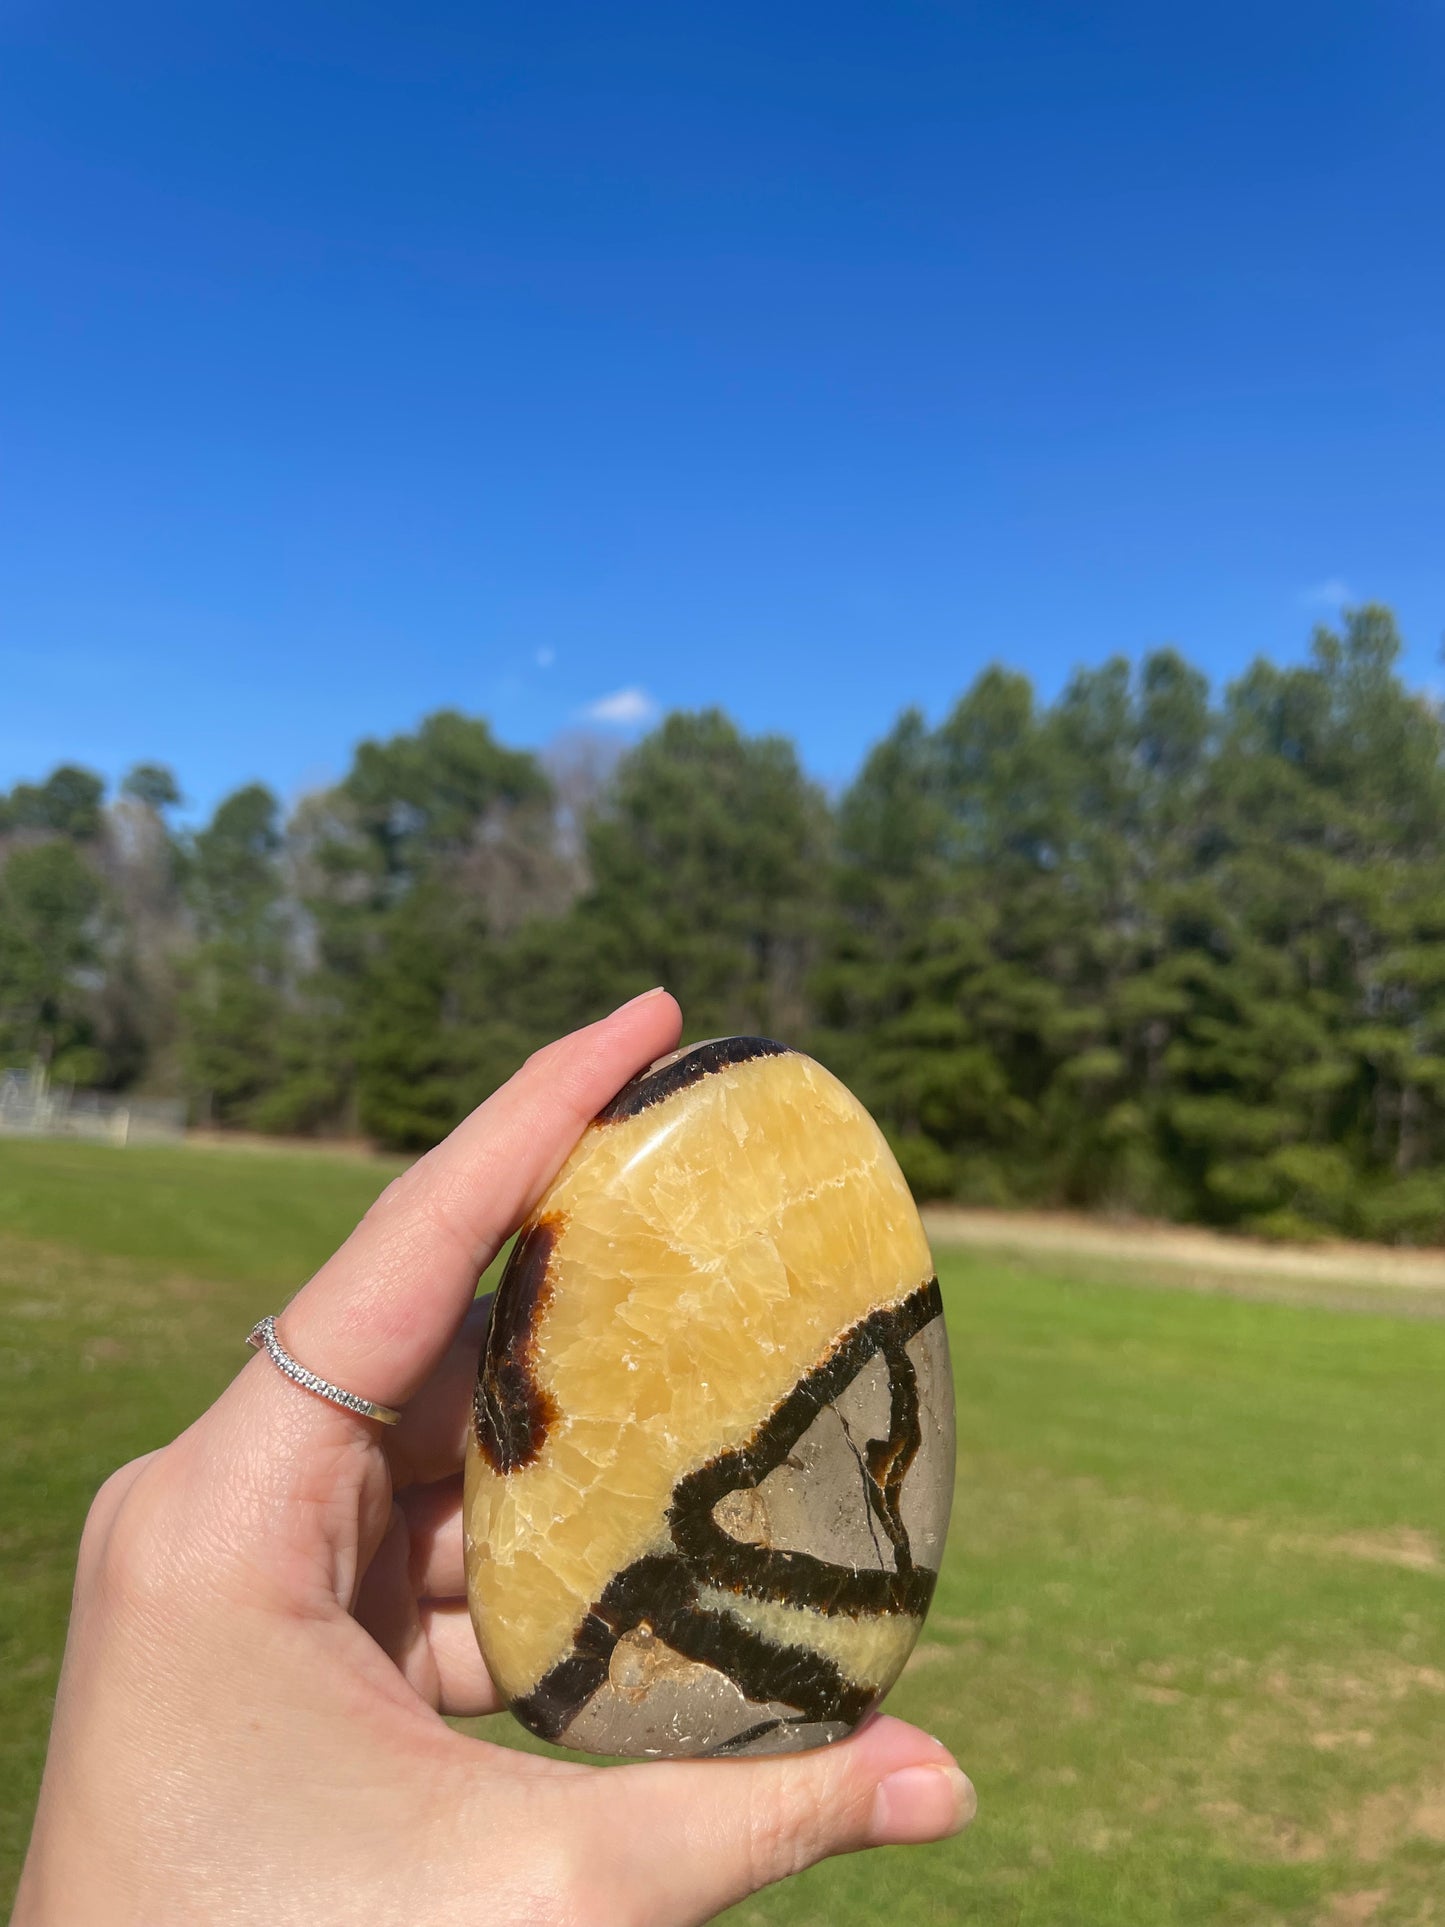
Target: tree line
1144, 948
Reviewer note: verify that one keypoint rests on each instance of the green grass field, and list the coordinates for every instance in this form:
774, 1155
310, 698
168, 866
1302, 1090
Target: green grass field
1190, 1640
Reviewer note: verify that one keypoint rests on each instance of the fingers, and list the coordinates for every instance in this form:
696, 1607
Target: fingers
431, 1440
430, 1641
463, 1685
717, 1830
433, 1515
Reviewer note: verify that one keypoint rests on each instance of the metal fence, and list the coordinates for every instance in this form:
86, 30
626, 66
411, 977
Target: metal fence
31, 1106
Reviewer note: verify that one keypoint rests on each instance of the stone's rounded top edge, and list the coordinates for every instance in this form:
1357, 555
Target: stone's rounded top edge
679, 1069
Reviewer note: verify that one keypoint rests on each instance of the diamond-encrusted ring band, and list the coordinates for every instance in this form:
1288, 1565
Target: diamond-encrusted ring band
263, 1338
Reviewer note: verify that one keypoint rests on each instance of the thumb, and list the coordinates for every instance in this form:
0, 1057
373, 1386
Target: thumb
683, 1840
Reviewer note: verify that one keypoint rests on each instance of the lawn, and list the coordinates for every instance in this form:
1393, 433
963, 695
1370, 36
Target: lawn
1190, 1639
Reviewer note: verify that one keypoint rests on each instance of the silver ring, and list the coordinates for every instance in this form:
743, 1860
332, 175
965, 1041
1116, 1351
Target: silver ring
263, 1338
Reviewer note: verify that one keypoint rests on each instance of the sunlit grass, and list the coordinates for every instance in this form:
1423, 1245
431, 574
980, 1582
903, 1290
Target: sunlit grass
1190, 1637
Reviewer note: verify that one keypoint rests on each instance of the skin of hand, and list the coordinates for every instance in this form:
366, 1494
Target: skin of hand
270, 1619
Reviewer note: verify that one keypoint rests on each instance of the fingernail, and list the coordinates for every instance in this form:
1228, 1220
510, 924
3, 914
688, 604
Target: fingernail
641, 998
921, 1803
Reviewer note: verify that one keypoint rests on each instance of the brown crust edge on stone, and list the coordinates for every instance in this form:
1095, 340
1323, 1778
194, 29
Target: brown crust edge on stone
652, 1087
512, 1412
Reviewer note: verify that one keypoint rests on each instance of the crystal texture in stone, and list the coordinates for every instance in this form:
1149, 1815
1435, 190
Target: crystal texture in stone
712, 1459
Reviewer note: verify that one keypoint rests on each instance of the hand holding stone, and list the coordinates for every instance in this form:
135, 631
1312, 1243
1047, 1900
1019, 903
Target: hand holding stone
270, 1616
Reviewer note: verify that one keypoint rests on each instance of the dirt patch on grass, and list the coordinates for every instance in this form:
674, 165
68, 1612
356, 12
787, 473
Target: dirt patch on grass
1354, 1910
1373, 1830
1344, 1716
1386, 1821
350, 1148
928, 1653
1415, 1551
1078, 1236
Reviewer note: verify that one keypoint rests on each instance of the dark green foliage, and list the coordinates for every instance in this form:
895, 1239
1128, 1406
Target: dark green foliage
51, 936
153, 786
233, 1002
417, 872
437, 794
708, 866
1135, 949
1137, 953
67, 802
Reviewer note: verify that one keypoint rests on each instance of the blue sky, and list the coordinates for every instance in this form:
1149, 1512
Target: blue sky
357, 359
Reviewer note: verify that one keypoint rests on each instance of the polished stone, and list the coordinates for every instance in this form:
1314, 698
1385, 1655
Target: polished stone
712, 1461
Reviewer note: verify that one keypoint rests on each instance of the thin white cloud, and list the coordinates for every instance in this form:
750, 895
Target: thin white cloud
623, 709
544, 658
1332, 593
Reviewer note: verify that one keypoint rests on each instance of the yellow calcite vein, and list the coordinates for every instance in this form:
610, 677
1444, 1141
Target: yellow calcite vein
715, 1247
870, 1649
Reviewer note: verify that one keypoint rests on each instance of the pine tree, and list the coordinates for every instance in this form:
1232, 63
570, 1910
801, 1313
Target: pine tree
233, 1004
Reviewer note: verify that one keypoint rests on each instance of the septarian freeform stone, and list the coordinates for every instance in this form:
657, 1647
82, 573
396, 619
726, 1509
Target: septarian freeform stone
712, 1463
